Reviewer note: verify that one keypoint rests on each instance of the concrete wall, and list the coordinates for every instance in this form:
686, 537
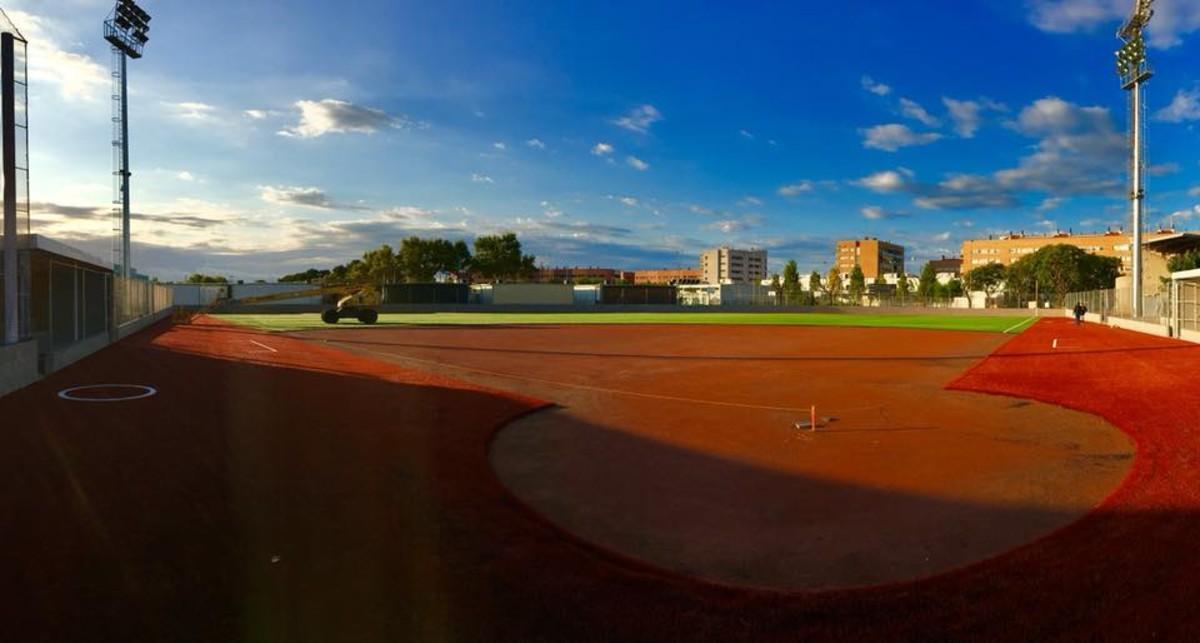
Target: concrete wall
1149, 328
533, 294
205, 294
18, 366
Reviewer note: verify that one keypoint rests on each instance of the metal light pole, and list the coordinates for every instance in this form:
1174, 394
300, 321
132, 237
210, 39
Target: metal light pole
126, 29
1134, 72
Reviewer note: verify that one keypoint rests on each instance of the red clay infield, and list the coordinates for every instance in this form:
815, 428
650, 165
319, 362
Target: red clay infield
312, 494
678, 447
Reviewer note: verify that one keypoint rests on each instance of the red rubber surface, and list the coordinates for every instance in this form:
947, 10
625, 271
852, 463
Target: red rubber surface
158, 520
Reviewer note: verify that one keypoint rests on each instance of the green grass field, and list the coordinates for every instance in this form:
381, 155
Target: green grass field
308, 321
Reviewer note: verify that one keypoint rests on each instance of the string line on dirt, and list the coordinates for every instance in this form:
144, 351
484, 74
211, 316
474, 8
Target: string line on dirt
594, 389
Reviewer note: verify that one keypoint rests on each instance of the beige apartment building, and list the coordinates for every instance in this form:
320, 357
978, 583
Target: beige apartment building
732, 266
875, 257
670, 276
1007, 248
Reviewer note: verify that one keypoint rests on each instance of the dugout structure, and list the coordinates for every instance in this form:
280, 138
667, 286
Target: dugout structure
426, 294
637, 295
1185, 312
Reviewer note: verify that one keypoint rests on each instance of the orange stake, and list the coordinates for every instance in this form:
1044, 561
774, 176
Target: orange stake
813, 419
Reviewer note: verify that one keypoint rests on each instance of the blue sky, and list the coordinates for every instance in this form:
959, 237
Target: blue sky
272, 136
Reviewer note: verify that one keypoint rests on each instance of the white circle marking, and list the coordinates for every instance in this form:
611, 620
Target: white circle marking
145, 391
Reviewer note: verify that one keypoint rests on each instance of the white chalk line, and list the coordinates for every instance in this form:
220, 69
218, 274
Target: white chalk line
262, 345
1054, 344
1023, 321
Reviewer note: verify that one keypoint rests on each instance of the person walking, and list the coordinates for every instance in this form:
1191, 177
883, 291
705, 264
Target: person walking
1080, 311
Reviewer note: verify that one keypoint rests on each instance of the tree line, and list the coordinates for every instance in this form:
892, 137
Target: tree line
495, 258
1050, 273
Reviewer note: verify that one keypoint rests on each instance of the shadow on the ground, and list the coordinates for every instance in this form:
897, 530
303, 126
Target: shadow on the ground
255, 502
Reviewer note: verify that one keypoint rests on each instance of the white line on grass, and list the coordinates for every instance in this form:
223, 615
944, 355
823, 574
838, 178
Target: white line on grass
1020, 323
263, 345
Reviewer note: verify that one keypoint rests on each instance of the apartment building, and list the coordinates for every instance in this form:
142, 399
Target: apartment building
875, 257
675, 276
566, 275
1007, 248
727, 265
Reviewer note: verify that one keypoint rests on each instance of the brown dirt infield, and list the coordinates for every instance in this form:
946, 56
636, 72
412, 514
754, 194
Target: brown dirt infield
310, 494
675, 446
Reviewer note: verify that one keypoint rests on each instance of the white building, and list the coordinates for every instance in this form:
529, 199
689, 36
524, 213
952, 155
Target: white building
727, 265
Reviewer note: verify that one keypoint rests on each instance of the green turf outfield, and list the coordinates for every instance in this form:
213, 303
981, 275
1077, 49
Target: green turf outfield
307, 321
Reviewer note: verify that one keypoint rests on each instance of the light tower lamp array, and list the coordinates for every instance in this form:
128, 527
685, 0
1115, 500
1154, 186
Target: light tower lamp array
127, 29
1134, 72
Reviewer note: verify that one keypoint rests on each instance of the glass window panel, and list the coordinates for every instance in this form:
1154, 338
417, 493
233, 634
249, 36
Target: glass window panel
19, 61
22, 148
20, 98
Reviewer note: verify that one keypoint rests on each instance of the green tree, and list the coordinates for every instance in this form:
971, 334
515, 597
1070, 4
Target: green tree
987, 278
379, 266
815, 287
925, 287
1189, 260
954, 288
833, 285
1060, 269
200, 278
902, 285
858, 285
310, 276
791, 282
498, 257
777, 288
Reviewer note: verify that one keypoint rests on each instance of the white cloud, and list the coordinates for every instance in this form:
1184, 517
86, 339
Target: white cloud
1194, 191
746, 134
1050, 203
629, 201
1172, 20
499, 146
879, 89
795, 189
639, 119
885, 182
875, 213
602, 149
965, 114
912, 109
481, 178
294, 195
76, 75
536, 144
637, 163
186, 176
256, 114
331, 116
894, 136
1184, 107
1186, 213
192, 111
750, 200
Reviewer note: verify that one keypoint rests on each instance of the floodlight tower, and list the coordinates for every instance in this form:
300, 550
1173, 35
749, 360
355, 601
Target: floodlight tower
126, 29
1134, 72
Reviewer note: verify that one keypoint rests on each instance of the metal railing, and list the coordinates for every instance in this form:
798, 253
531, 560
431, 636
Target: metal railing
1118, 302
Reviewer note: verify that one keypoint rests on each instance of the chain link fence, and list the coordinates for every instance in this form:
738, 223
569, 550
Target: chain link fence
1118, 302
139, 297
1187, 309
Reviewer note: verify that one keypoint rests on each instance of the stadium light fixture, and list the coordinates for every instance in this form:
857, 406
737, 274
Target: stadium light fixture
1134, 71
127, 30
